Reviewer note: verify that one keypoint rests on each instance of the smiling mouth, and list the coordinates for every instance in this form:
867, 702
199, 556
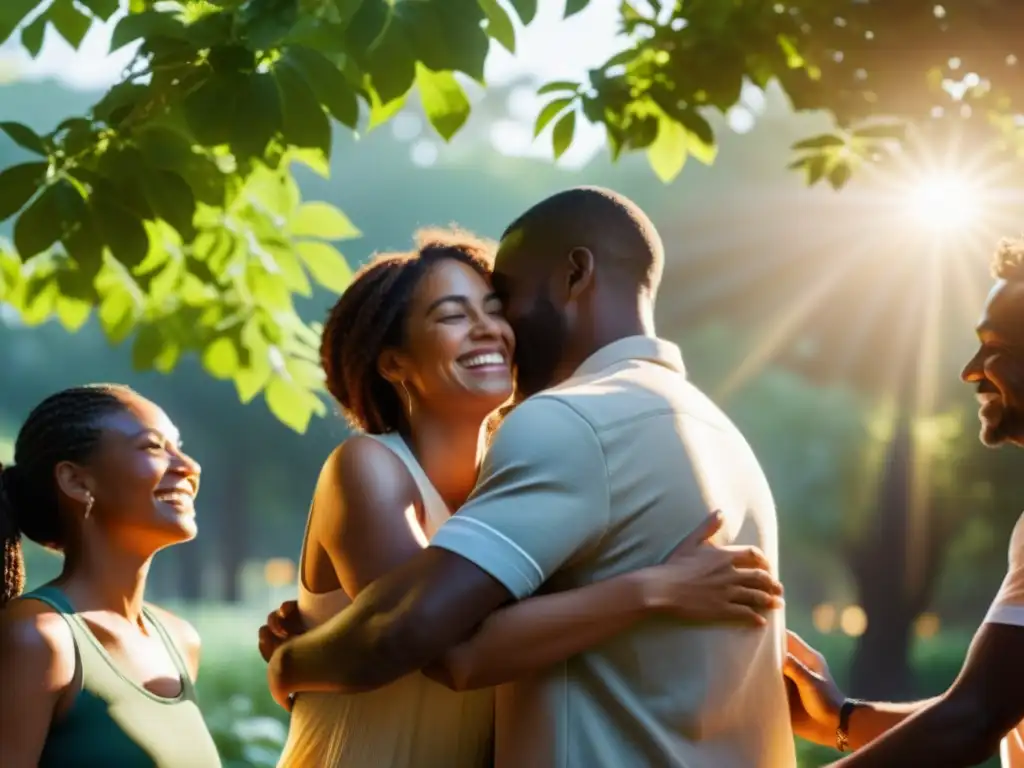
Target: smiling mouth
484, 361
176, 497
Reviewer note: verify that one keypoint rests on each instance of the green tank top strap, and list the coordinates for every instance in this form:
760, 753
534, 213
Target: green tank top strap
173, 650
117, 721
53, 597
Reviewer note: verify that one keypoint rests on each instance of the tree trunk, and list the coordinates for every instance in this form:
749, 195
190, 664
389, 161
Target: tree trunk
890, 598
234, 527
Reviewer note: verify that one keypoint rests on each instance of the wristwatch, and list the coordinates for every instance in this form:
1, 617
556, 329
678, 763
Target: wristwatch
842, 731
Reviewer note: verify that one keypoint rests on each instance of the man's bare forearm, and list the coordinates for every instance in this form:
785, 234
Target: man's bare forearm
944, 733
399, 624
358, 650
873, 718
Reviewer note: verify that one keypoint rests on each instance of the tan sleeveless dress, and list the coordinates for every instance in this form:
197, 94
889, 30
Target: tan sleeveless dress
411, 723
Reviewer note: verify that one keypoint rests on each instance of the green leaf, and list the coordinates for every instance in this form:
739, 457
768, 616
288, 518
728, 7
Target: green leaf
51, 216
148, 24
305, 124
290, 404
322, 220
164, 148
366, 27
18, 185
794, 60
171, 199
33, 34
119, 102
326, 265
840, 175
551, 110
120, 228
12, 13
103, 9
667, 155
527, 9
381, 112
561, 136
823, 141
72, 312
264, 23
257, 117
117, 315
573, 7
70, 22
391, 63
446, 36
220, 358
558, 86
815, 165
148, 344
24, 137
444, 101
499, 25
328, 83
210, 109
249, 382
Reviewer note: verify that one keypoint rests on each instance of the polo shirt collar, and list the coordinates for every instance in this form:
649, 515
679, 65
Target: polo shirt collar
647, 348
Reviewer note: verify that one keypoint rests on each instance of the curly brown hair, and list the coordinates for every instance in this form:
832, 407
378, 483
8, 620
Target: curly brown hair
1008, 263
370, 317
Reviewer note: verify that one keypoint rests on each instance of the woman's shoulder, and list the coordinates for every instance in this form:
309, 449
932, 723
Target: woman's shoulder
35, 637
365, 466
184, 635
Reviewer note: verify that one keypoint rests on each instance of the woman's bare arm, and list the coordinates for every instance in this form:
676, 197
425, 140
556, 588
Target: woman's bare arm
37, 666
365, 513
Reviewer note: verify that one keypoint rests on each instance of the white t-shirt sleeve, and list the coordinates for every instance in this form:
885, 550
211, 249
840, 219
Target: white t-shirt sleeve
1008, 607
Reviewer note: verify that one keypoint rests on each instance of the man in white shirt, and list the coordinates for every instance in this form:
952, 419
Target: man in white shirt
983, 711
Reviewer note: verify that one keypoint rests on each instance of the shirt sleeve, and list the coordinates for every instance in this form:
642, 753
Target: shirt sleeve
1008, 607
542, 497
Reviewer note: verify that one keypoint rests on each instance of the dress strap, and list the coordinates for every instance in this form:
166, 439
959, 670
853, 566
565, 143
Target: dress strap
435, 508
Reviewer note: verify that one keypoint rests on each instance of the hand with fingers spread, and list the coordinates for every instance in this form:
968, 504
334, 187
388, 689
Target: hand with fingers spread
282, 625
705, 583
814, 697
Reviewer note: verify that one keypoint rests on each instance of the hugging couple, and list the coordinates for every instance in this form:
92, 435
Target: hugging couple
607, 593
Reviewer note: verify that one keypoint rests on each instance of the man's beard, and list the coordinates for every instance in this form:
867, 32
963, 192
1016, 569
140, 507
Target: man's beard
540, 348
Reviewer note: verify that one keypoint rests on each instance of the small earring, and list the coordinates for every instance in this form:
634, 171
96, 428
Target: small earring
89, 500
408, 397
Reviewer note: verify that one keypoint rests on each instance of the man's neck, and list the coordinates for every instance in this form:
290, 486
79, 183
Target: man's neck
633, 318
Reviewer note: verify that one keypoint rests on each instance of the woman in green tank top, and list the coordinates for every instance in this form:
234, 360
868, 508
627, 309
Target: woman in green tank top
92, 675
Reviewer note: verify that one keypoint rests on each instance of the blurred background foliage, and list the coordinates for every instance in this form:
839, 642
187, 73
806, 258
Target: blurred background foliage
825, 324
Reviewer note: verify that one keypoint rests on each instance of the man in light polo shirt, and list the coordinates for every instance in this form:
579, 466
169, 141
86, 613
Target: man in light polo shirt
985, 705
610, 462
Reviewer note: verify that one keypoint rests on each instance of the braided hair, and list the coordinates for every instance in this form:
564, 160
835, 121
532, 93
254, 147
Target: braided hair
370, 316
63, 427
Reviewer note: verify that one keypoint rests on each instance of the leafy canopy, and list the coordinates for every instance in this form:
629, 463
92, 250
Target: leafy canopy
170, 208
